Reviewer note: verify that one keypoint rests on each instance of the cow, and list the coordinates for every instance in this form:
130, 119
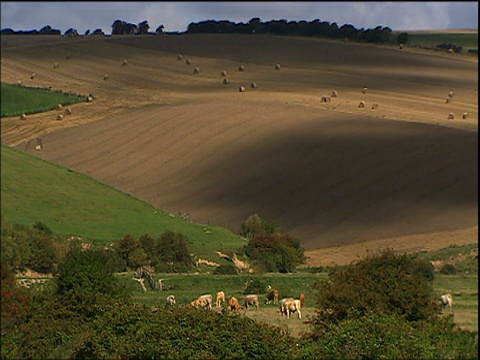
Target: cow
282, 305
447, 300
233, 304
272, 295
292, 306
200, 302
302, 300
209, 299
170, 300
251, 300
220, 298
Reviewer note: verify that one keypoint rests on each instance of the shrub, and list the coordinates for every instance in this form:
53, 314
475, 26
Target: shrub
228, 269
255, 286
448, 269
42, 227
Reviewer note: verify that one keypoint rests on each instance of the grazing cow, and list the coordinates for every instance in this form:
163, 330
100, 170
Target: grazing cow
200, 302
282, 305
170, 299
209, 300
220, 298
251, 300
233, 304
447, 300
302, 300
292, 306
272, 295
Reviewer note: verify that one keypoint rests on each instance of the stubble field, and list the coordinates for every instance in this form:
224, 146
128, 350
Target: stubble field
336, 176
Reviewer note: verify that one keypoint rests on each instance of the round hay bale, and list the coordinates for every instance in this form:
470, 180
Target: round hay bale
361, 105
241, 68
464, 115
448, 100
38, 147
374, 106
450, 51
89, 98
179, 57
124, 63
60, 117
196, 71
105, 77
23, 117
450, 94
253, 85
68, 111
277, 66
224, 73
450, 116
226, 82
401, 46
32, 76
188, 62
365, 89
326, 98
334, 93
67, 56
241, 89
59, 106
55, 66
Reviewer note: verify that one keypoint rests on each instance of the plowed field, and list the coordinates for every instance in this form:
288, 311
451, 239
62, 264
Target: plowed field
331, 174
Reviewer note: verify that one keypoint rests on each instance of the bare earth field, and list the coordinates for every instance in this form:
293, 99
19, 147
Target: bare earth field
342, 179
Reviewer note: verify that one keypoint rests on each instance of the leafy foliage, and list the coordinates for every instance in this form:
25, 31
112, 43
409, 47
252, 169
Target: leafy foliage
225, 269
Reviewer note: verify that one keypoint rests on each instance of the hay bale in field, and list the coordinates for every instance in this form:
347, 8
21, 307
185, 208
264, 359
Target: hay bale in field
448, 100
224, 73
241, 68
241, 89
365, 89
60, 117
253, 85
464, 115
450, 51
179, 57
277, 66
188, 62
89, 98
105, 77
67, 56
55, 66
326, 98
450, 116
124, 63
59, 107
226, 82
450, 94
401, 46
196, 71
32, 76
374, 106
68, 111
19, 83
361, 105
334, 94
23, 117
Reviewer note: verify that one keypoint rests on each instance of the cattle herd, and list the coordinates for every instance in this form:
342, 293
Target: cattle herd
286, 306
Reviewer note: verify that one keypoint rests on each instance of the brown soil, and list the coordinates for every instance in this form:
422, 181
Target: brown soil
330, 174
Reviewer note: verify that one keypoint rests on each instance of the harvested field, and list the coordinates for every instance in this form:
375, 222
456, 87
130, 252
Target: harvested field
330, 174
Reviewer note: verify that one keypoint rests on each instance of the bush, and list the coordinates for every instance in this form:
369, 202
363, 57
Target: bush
448, 269
42, 227
255, 286
228, 269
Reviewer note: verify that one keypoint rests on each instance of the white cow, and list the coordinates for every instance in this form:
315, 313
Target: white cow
251, 300
170, 299
220, 298
447, 300
282, 305
292, 306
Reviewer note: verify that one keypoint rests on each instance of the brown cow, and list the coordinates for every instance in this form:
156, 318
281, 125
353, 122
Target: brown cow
251, 300
272, 295
302, 300
233, 304
220, 298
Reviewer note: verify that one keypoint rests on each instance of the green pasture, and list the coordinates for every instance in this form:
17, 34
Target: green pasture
17, 100
69, 203
431, 40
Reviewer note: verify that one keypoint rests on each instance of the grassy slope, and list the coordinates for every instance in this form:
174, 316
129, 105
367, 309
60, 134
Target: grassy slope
17, 100
466, 40
73, 204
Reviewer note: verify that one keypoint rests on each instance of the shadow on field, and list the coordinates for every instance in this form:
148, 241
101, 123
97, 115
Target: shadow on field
349, 181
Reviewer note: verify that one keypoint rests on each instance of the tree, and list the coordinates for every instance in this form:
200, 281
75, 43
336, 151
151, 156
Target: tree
159, 30
143, 28
117, 27
402, 38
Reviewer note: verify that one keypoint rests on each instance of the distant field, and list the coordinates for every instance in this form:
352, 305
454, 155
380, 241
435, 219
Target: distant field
17, 100
467, 40
69, 203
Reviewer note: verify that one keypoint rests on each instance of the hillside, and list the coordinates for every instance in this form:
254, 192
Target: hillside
329, 173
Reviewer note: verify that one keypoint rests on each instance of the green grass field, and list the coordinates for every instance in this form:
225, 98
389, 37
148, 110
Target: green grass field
69, 203
17, 100
431, 40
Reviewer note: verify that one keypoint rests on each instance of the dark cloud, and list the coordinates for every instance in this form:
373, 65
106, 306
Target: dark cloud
176, 16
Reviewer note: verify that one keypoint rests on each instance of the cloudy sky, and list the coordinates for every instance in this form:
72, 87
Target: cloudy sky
175, 16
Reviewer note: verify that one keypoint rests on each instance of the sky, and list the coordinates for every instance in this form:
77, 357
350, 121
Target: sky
175, 16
